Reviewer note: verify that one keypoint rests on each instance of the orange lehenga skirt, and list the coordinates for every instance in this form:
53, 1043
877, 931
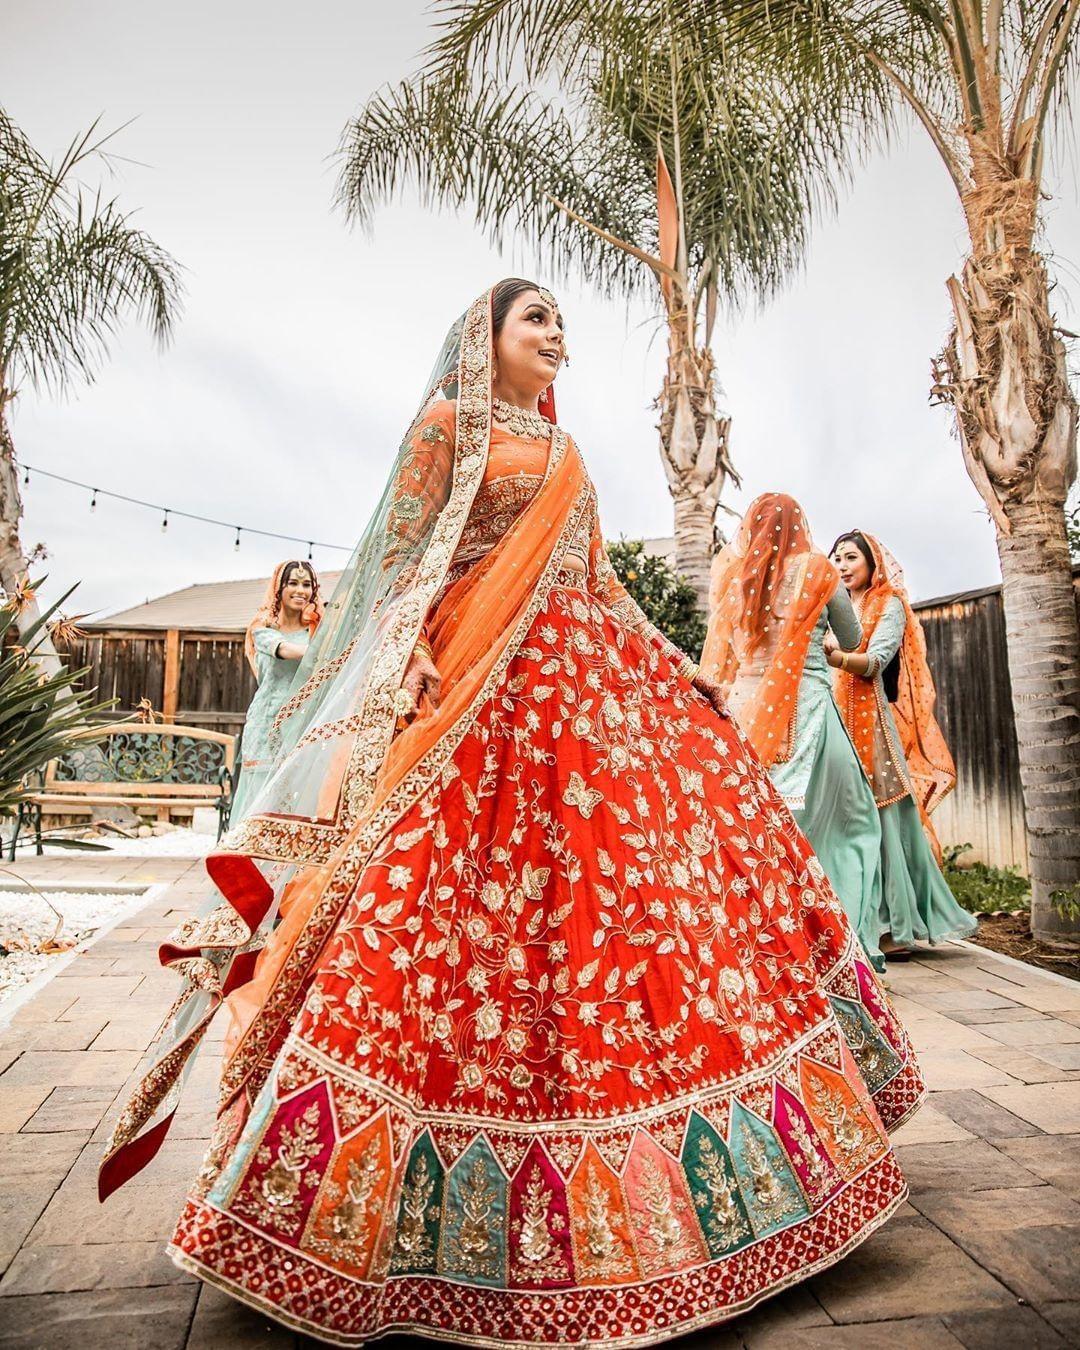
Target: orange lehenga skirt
590, 1056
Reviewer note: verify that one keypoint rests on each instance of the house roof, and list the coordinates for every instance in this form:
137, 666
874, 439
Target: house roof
209, 607
227, 606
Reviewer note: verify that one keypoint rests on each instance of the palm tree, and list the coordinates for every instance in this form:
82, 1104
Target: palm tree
653, 174
985, 80
69, 270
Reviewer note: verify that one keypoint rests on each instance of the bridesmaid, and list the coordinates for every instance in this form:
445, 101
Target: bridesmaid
774, 599
276, 640
886, 696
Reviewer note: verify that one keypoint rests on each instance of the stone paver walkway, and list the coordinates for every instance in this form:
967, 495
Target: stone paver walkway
986, 1254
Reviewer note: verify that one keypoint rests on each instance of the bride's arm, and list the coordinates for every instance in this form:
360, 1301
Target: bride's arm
609, 590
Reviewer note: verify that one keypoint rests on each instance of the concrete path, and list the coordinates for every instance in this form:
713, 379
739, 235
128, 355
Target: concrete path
986, 1254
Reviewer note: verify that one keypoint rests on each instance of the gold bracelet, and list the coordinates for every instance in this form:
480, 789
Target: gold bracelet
843, 660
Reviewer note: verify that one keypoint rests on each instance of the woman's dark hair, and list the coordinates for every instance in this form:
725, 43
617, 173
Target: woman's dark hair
890, 676
503, 296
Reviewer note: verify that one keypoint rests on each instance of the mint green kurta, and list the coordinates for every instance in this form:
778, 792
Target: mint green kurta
275, 676
823, 782
917, 904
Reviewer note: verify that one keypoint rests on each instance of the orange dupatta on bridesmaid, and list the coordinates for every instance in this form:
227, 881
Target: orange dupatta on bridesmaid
768, 589
930, 765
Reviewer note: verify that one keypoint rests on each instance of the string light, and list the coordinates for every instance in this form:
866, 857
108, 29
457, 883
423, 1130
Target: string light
168, 511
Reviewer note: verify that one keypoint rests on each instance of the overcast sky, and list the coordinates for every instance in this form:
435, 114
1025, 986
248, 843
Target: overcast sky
303, 346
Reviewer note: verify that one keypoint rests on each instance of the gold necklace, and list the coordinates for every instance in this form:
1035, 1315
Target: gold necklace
521, 421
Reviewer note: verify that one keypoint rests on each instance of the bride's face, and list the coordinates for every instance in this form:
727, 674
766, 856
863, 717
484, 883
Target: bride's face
530, 347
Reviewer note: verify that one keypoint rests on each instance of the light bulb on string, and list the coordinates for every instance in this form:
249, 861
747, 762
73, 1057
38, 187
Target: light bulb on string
26, 478
309, 548
165, 522
93, 500
236, 541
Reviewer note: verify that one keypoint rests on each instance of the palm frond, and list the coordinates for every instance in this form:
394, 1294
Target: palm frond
71, 267
482, 152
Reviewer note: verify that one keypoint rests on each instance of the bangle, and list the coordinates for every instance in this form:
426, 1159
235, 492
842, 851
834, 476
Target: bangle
423, 648
843, 660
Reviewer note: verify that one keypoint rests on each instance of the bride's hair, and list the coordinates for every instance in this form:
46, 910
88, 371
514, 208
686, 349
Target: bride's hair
503, 296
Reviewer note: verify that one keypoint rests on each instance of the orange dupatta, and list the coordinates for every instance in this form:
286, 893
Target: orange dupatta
750, 614
933, 773
473, 626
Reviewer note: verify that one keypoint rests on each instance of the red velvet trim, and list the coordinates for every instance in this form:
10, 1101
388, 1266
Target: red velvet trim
131, 1158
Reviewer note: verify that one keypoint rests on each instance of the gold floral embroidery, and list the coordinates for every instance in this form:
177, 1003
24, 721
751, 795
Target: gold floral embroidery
276, 1201
413, 1246
497, 505
726, 1224
773, 1198
663, 1234
473, 1247
869, 1057
854, 1139
343, 1230
601, 1252
804, 1151
538, 1256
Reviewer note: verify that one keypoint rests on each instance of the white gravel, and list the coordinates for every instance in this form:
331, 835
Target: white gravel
175, 844
26, 922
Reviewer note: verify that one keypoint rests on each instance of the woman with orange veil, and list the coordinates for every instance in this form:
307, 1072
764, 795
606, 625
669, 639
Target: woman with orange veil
774, 601
277, 638
545, 1028
886, 696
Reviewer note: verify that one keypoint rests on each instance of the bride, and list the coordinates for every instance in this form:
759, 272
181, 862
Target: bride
544, 1025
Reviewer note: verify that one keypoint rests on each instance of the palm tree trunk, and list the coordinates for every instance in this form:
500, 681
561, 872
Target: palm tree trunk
1044, 670
694, 534
14, 564
1004, 369
694, 451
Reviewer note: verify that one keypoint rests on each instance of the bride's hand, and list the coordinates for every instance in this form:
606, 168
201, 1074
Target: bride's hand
713, 692
422, 677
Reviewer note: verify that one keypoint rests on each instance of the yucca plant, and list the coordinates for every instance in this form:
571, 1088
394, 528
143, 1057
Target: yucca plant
42, 714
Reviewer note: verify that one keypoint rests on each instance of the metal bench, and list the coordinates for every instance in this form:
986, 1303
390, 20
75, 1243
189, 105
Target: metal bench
141, 766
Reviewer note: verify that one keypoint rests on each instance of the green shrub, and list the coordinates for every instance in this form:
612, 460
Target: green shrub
981, 889
666, 599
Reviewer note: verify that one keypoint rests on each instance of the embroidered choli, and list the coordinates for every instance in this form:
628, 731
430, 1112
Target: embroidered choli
513, 476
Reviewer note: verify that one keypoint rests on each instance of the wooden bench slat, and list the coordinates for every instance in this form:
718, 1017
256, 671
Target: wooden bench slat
114, 786
74, 802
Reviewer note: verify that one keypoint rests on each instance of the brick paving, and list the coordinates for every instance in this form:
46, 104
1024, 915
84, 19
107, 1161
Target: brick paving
985, 1254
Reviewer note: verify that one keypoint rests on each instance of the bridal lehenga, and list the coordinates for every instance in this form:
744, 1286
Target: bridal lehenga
545, 1027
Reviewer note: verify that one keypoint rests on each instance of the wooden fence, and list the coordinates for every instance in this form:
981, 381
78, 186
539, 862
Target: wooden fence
965, 639
202, 679
196, 679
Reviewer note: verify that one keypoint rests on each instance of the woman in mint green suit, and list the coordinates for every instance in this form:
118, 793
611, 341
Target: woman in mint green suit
886, 696
775, 601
